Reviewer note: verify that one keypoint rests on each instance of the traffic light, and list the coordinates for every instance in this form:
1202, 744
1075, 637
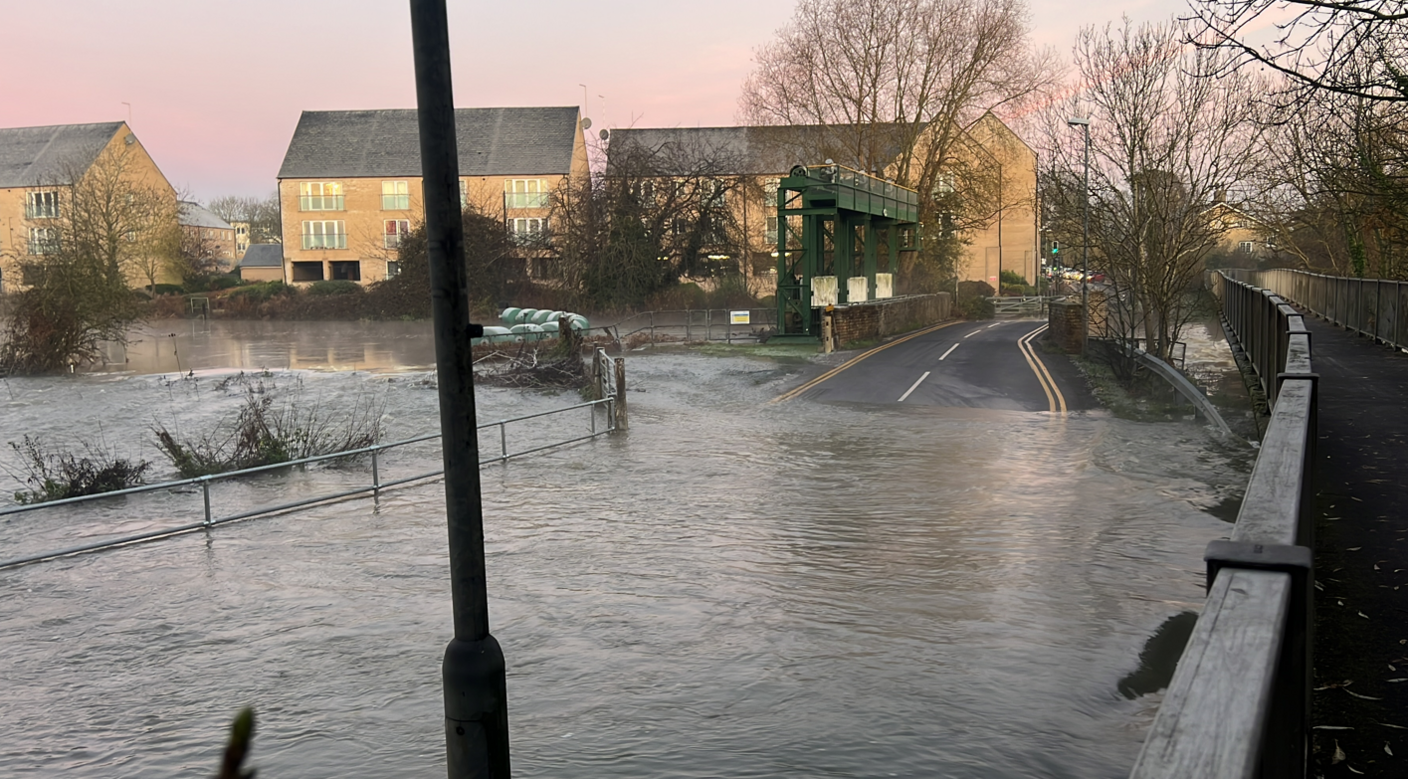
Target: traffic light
1055, 247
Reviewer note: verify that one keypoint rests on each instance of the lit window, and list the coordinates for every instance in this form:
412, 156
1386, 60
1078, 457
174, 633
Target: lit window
394, 230
395, 196
324, 235
41, 205
320, 196
526, 193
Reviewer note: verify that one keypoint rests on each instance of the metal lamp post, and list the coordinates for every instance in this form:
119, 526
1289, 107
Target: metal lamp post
1084, 123
476, 707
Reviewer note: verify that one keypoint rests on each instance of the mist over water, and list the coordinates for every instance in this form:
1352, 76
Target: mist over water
731, 588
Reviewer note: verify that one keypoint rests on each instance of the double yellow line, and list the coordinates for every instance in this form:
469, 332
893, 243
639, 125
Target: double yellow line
1043, 376
851, 362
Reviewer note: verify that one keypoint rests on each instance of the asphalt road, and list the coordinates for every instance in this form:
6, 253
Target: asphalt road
965, 364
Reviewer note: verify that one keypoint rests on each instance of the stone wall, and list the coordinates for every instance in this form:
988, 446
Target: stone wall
878, 318
1065, 321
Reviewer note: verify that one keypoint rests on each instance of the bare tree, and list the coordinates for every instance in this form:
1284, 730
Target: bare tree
889, 86
1167, 145
262, 215
664, 210
100, 226
1357, 48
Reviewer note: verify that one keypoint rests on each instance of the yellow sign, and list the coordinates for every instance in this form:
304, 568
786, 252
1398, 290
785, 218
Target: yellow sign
738, 317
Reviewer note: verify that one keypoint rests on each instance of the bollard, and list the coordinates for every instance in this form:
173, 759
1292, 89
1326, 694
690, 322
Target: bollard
376, 476
621, 393
205, 489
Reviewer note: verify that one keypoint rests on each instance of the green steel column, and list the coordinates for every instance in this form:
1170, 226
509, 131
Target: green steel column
894, 245
872, 246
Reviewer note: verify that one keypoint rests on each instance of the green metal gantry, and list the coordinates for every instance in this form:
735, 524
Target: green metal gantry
834, 223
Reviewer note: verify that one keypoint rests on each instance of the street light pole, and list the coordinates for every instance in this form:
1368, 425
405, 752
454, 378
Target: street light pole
1084, 124
476, 705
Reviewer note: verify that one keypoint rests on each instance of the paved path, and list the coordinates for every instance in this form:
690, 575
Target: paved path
1361, 556
998, 365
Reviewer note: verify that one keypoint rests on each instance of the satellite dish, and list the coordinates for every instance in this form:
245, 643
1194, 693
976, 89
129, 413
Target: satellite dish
586, 123
604, 134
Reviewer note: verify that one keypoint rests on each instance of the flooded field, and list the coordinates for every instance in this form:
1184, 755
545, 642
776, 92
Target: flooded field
732, 588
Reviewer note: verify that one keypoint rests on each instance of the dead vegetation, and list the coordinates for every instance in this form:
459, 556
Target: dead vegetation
58, 475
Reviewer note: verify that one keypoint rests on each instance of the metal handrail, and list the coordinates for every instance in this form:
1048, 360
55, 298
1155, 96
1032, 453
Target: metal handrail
689, 327
377, 485
1239, 702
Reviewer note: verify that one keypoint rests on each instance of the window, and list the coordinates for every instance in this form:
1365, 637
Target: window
1246, 247
770, 187
525, 193
712, 194
308, 271
395, 196
644, 192
464, 194
320, 196
346, 270
131, 236
393, 269
770, 230
43, 240
393, 231
528, 230
324, 235
945, 184
41, 205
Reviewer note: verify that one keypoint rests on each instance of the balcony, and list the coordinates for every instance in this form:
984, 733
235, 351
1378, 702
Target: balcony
395, 202
390, 241
321, 203
330, 241
41, 210
525, 200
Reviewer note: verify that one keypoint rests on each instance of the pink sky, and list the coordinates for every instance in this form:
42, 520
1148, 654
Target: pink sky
216, 87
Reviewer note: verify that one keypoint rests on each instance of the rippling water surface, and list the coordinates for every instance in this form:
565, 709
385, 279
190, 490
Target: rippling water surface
730, 589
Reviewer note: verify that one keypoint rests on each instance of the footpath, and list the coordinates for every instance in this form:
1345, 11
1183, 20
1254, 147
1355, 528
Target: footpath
1360, 698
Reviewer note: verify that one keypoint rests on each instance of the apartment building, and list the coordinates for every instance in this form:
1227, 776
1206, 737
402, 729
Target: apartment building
207, 236
350, 184
749, 162
39, 169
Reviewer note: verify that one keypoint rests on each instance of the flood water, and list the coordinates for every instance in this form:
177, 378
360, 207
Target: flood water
732, 588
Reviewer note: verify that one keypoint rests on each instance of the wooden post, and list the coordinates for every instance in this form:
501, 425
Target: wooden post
621, 393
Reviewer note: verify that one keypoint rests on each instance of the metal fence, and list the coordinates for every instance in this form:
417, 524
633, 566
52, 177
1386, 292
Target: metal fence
1239, 702
1376, 308
609, 401
709, 324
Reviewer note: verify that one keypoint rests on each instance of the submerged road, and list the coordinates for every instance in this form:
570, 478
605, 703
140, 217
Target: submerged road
997, 365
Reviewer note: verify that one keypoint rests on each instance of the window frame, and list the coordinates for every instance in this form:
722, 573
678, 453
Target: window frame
330, 196
399, 198
338, 234
391, 237
41, 204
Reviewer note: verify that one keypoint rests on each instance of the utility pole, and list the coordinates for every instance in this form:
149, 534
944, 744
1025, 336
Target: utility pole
476, 702
1084, 123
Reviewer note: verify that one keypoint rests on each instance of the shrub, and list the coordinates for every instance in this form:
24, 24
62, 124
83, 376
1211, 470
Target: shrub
339, 287
973, 300
59, 475
262, 291
261, 434
217, 283
168, 289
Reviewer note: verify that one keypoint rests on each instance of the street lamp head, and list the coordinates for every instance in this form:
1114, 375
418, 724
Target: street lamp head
1079, 121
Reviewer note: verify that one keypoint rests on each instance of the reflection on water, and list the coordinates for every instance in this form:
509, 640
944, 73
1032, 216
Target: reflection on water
730, 589
179, 346
1160, 656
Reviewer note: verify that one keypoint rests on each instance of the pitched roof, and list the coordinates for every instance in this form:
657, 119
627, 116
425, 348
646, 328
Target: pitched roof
31, 156
757, 150
197, 215
492, 142
263, 255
